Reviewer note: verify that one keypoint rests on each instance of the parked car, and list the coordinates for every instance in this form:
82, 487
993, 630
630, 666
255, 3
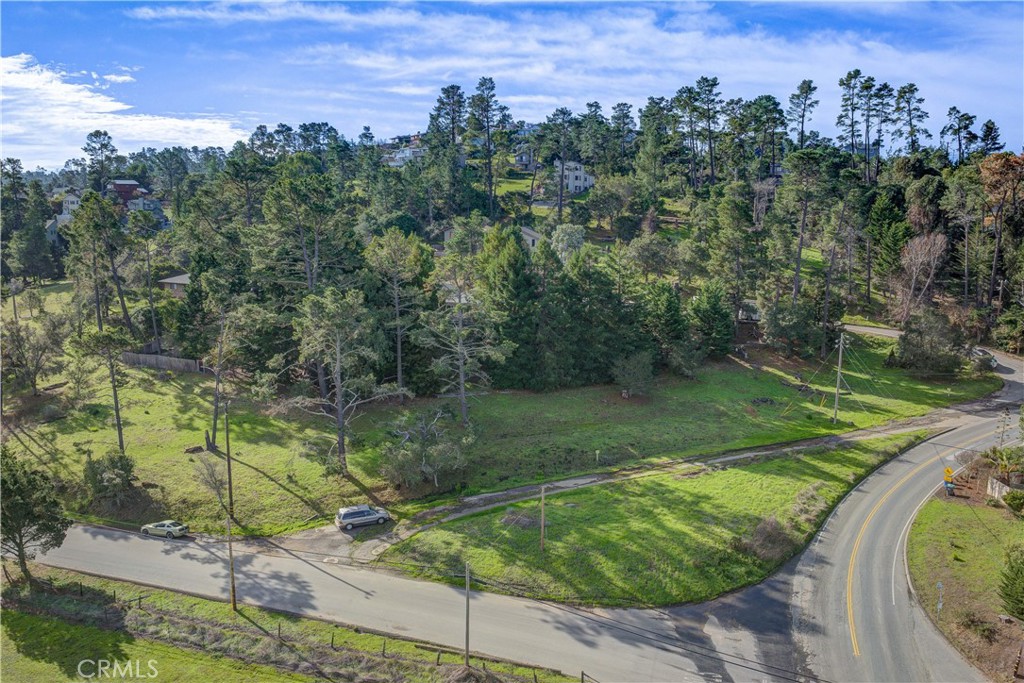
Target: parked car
168, 528
358, 515
979, 355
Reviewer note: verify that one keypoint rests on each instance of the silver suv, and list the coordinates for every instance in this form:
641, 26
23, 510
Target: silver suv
358, 515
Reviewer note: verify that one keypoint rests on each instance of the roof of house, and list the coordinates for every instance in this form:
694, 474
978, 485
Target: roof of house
531, 233
175, 280
126, 182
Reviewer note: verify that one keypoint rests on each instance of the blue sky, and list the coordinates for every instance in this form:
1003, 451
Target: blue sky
197, 73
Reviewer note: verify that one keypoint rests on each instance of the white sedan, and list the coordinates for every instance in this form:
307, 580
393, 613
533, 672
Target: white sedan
167, 528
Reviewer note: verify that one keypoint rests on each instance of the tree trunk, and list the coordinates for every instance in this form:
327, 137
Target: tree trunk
967, 266
120, 295
117, 403
561, 187
490, 175
398, 340
149, 295
14, 304
828, 294
339, 409
995, 258
533, 180
216, 380
799, 253
23, 566
96, 287
461, 354
867, 300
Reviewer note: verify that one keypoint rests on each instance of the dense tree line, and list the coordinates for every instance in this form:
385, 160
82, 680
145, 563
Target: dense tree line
319, 272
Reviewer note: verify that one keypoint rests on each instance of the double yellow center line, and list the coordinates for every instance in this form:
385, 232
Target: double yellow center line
864, 527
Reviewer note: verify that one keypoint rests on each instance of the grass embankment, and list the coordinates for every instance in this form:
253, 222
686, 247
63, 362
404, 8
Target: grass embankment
655, 540
961, 545
523, 437
38, 649
47, 633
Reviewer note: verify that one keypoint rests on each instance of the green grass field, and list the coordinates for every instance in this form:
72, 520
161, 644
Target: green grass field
658, 540
524, 437
37, 649
192, 639
961, 544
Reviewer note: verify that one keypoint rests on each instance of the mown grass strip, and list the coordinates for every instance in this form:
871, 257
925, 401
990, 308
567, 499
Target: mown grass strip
100, 612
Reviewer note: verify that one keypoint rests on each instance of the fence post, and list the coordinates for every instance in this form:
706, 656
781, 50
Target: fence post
79, 589
279, 630
384, 648
583, 677
332, 640
438, 662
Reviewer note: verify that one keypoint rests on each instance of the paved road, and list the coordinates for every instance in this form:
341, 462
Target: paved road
795, 626
855, 614
623, 645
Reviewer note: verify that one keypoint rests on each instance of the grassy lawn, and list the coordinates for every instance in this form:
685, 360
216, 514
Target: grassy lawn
524, 437
517, 181
193, 639
961, 545
56, 297
657, 540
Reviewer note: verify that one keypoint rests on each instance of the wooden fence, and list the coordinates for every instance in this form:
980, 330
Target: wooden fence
151, 360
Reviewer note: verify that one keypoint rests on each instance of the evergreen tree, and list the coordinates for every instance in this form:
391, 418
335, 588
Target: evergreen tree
31, 515
801, 106
1011, 581
713, 320
508, 288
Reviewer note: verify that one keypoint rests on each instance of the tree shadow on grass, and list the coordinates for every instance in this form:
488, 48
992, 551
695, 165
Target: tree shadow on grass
41, 448
66, 628
308, 502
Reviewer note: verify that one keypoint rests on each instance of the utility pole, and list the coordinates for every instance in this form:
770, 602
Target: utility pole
467, 614
839, 377
227, 444
542, 490
231, 509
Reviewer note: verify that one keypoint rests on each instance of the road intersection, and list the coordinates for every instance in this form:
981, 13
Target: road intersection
842, 611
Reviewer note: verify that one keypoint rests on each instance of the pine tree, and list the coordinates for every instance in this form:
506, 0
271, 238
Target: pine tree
713, 321
509, 290
1011, 581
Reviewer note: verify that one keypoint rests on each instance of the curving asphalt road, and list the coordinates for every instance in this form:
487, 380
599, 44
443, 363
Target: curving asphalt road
842, 611
854, 611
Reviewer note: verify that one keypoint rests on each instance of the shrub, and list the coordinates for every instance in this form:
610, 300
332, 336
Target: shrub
970, 620
1014, 500
109, 479
929, 345
1011, 584
424, 447
634, 374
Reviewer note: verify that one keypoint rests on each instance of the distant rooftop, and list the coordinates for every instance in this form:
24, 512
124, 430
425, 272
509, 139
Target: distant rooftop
175, 280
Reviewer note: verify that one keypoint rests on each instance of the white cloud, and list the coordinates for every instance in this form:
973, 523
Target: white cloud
118, 78
46, 117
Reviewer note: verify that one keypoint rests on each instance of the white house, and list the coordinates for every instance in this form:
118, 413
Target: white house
576, 178
70, 203
531, 237
404, 155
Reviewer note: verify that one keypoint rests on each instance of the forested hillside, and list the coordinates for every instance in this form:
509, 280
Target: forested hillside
326, 273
